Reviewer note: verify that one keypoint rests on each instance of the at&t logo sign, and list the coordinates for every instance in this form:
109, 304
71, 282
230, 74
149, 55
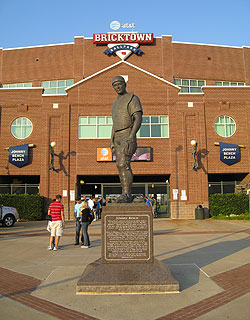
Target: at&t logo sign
116, 25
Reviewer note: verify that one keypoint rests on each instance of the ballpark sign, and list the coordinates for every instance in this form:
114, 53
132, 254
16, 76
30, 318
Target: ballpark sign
132, 37
123, 44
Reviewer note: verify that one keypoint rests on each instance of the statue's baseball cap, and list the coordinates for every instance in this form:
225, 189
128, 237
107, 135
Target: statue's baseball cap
118, 79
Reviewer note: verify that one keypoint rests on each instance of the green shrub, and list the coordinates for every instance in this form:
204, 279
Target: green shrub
229, 203
29, 206
232, 217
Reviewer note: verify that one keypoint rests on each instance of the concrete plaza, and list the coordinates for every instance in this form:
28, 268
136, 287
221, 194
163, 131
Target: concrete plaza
209, 258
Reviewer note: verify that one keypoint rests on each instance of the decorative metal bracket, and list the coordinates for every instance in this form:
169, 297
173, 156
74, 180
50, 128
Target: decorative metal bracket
194, 154
52, 154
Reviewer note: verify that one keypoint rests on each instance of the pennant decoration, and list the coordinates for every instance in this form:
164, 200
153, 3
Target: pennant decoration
18, 155
123, 50
229, 153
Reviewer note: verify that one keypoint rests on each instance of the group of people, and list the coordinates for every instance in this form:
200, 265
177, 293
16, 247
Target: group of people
85, 211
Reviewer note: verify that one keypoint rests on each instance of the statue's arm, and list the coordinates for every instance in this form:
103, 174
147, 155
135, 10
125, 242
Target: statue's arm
135, 110
136, 125
112, 146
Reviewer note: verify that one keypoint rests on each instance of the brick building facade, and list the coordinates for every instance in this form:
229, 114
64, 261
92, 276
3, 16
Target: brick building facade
192, 87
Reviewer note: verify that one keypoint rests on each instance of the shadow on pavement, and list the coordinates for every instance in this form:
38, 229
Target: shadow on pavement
200, 258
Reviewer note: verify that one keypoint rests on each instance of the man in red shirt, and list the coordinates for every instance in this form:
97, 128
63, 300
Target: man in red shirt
56, 210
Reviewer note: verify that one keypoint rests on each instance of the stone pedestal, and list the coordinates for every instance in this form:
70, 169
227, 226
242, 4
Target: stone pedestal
127, 265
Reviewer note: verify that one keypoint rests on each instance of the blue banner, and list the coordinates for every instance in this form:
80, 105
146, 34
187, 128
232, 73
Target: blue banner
229, 153
137, 51
18, 156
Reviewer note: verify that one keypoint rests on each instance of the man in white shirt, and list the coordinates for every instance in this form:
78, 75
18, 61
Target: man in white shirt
78, 216
91, 207
91, 204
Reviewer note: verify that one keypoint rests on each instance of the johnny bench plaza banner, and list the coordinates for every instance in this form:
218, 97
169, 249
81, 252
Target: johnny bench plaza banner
229, 153
18, 155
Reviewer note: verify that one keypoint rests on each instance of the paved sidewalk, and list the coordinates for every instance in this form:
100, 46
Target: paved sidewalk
209, 258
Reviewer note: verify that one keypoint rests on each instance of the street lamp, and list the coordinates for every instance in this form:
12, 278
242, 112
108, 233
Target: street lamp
52, 154
194, 154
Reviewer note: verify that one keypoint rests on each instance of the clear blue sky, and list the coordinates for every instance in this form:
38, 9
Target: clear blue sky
31, 22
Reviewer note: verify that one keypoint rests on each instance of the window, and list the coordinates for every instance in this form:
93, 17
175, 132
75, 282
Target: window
101, 127
56, 86
225, 126
154, 127
95, 127
190, 86
18, 85
21, 128
228, 83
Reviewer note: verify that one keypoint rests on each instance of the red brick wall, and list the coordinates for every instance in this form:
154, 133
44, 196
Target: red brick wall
234, 103
208, 62
95, 96
38, 64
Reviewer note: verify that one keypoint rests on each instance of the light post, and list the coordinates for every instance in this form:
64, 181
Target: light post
194, 154
52, 154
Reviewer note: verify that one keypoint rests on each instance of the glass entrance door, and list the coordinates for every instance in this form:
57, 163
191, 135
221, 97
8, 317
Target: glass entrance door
159, 193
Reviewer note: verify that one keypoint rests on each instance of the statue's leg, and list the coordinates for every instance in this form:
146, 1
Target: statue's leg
121, 166
129, 151
118, 161
124, 151
126, 176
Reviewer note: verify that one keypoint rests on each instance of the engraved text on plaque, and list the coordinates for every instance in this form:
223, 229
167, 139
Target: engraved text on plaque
127, 237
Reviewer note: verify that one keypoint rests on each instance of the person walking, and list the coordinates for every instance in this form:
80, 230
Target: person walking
149, 203
98, 208
154, 207
78, 218
56, 210
95, 210
86, 220
91, 206
91, 203
49, 218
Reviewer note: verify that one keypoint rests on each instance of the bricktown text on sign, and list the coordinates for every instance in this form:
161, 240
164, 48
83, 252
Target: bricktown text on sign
102, 38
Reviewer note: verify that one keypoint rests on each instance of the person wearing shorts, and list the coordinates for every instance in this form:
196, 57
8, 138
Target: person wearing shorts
56, 210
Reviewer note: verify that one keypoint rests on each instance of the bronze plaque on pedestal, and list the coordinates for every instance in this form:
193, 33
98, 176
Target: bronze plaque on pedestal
127, 236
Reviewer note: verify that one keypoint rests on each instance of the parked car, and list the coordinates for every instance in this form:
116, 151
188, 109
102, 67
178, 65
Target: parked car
8, 216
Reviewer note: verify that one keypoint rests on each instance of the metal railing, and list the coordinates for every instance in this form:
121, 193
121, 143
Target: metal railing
11, 188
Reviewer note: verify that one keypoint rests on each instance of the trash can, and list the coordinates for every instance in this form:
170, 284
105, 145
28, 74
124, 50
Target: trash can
199, 213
